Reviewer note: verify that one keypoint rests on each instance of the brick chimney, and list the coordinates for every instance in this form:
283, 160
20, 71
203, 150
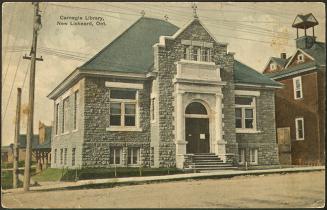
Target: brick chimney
283, 55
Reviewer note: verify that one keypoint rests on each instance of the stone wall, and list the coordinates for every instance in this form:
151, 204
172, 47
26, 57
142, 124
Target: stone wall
165, 57
265, 140
97, 141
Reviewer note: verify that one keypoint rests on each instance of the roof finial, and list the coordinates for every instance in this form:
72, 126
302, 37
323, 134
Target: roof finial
194, 7
166, 17
142, 13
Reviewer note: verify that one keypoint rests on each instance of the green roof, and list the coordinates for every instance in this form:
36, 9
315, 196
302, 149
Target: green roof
247, 75
132, 51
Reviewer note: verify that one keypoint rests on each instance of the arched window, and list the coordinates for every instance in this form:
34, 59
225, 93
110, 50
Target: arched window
196, 108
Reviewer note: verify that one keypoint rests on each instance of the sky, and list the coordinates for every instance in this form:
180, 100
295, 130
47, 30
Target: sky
254, 32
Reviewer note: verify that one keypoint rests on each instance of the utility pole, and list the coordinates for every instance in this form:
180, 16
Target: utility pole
36, 27
16, 142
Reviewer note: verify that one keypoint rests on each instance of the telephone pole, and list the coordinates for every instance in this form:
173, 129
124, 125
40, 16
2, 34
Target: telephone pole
36, 27
16, 142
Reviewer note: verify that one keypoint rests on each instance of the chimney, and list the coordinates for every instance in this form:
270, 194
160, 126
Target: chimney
283, 55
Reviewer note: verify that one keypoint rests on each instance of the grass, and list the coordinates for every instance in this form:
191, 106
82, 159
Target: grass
7, 178
50, 174
53, 174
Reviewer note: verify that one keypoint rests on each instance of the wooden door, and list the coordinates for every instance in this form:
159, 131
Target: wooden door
284, 145
197, 135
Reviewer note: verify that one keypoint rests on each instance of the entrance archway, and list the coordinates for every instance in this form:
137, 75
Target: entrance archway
197, 128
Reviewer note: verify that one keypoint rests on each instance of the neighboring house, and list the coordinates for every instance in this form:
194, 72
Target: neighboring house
300, 104
41, 146
160, 96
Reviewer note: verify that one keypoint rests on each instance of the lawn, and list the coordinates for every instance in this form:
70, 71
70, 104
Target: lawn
7, 179
53, 174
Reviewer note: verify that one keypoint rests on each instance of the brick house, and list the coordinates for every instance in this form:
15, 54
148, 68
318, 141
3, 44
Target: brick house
160, 96
300, 104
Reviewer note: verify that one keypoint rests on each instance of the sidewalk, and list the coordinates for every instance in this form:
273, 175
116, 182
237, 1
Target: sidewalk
147, 179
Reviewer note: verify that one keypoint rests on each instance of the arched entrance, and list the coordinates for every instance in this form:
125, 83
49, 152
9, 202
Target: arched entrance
197, 128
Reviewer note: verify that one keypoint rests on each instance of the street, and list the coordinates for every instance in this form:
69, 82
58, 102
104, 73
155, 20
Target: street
294, 190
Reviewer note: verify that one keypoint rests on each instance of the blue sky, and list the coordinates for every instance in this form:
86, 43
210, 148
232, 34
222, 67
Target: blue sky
254, 31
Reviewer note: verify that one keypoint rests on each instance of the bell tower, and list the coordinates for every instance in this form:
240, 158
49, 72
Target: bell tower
305, 22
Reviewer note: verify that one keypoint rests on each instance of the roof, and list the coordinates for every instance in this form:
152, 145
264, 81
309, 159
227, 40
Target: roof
317, 51
305, 21
132, 51
22, 141
245, 74
280, 61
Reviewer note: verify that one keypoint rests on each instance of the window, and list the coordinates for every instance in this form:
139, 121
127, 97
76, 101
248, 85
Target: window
299, 128
245, 112
61, 156
76, 98
241, 156
55, 156
273, 66
300, 58
65, 115
115, 156
133, 156
197, 53
123, 108
152, 109
254, 156
57, 118
65, 157
297, 86
73, 156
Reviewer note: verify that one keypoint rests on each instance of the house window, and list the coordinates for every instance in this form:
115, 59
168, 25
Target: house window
133, 156
273, 66
241, 156
245, 112
65, 157
300, 58
197, 53
55, 156
73, 156
115, 155
123, 105
76, 98
65, 115
299, 128
61, 156
152, 109
297, 86
205, 54
57, 118
253, 156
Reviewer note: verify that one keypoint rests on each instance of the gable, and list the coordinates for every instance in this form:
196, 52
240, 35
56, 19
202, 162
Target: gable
297, 20
195, 31
297, 60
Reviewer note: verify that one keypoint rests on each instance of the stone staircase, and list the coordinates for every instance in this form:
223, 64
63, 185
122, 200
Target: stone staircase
209, 161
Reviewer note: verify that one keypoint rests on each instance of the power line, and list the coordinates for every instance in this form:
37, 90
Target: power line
12, 87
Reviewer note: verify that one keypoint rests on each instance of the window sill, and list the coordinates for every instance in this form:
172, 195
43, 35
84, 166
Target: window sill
74, 131
242, 130
299, 139
65, 133
123, 129
197, 62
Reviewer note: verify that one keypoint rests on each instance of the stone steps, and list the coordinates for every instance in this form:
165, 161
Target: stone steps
209, 161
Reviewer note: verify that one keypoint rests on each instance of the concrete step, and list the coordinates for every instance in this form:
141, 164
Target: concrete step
214, 168
208, 165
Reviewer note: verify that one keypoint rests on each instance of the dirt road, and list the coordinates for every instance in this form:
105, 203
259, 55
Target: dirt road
288, 190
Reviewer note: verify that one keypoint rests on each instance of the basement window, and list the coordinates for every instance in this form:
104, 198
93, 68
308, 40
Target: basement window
133, 157
115, 155
254, 156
